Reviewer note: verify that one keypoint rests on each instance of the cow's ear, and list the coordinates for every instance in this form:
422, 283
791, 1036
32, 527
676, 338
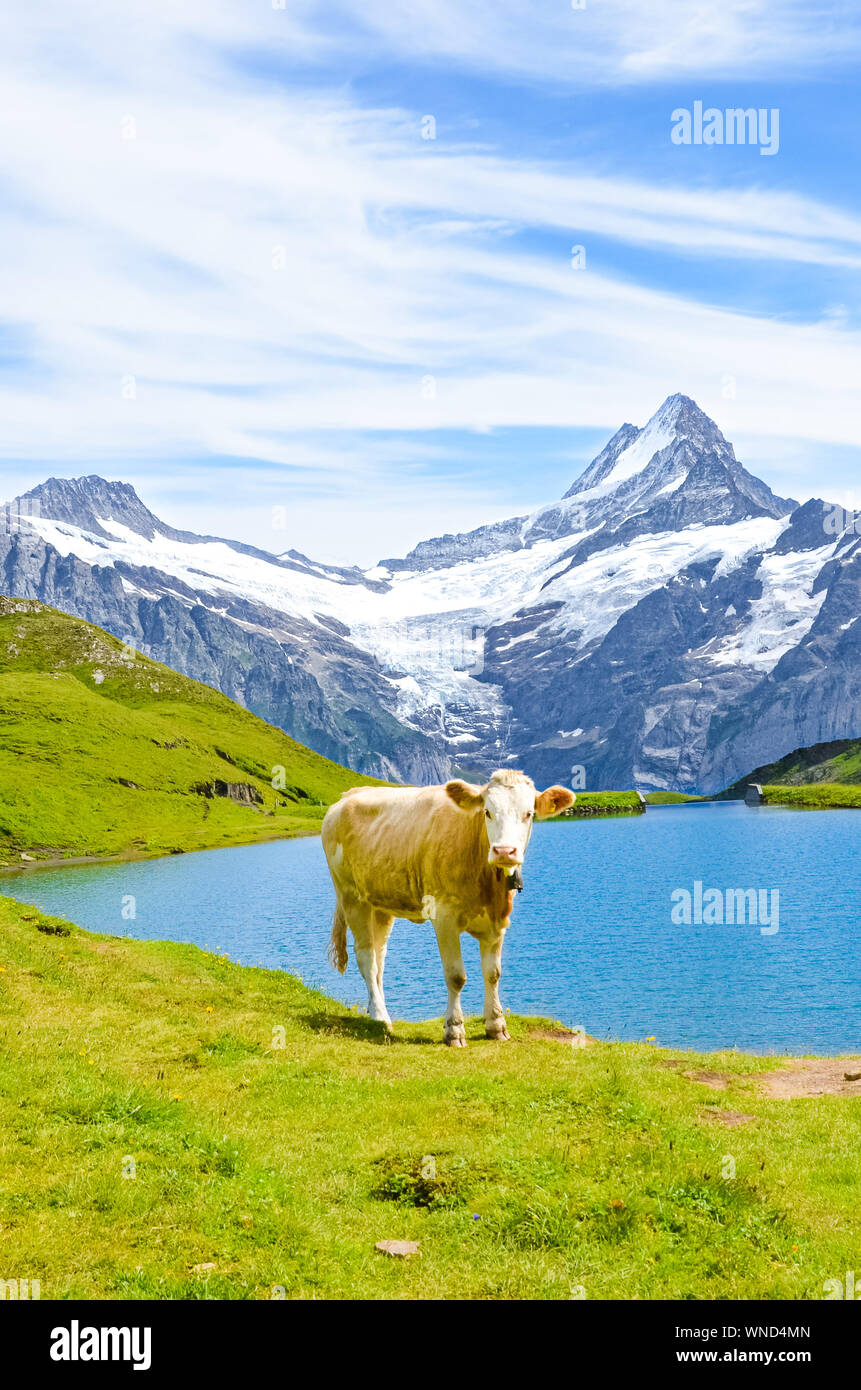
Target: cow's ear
464, 794
551, 802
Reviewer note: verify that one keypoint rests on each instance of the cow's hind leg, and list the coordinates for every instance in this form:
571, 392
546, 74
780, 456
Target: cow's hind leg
361, 917
448, 940
382, 926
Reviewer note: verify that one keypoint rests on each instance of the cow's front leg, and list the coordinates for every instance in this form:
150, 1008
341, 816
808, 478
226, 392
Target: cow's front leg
448, 940
491, 969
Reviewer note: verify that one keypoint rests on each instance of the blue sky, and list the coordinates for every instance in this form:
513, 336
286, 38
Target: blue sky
236, 274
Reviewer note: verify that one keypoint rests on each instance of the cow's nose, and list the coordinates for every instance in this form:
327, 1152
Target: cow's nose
504, 851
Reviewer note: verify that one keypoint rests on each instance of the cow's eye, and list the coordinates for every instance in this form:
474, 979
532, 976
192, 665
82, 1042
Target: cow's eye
528, 816
487, 813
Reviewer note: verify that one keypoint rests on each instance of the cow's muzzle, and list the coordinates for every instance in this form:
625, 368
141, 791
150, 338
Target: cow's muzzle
505, 856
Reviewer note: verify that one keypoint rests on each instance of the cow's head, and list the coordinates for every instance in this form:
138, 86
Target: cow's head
509, 804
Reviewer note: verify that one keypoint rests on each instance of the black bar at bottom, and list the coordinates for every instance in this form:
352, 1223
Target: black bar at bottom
233, 1339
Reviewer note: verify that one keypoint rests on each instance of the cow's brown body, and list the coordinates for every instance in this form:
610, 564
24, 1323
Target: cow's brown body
424, 854
401, 847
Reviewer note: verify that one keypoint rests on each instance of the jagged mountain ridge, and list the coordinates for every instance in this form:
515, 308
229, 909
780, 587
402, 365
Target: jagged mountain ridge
649, 627
679, 454
299, 674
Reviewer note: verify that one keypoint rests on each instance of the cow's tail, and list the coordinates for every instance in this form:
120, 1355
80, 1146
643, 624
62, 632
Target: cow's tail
338, 944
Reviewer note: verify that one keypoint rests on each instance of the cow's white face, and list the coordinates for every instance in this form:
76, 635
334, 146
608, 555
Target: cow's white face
508, 816
509, 805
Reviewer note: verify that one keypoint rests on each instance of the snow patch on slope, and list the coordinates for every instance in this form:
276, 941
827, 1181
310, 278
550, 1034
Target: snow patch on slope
656, 436
608, 583
781, 617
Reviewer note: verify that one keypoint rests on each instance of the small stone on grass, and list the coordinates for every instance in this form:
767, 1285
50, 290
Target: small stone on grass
400, 1249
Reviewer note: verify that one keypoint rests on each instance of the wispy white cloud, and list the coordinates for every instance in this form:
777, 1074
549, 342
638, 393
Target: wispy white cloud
583, 43
197, 263
617, 41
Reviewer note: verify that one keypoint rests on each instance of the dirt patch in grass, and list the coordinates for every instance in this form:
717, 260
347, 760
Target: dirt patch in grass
815, 1076
562, 1035
730, 1118
713, 1079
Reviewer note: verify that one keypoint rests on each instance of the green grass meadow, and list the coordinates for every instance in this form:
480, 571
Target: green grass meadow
173, 1125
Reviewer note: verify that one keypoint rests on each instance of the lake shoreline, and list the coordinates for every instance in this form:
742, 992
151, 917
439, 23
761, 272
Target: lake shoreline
131, 856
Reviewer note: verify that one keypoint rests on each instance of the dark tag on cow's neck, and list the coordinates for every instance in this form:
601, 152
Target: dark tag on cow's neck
515, 880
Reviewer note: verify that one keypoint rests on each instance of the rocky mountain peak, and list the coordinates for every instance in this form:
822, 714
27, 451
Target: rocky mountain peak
682, 414
676, 471
89, 501
632, 451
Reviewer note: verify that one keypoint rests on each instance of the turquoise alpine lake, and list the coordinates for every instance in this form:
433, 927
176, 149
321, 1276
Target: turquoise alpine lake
631, 927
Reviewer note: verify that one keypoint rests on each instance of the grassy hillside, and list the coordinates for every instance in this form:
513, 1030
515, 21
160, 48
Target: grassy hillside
826, 774
604, 804
817, 796
103, 751
670, 798
176, 1126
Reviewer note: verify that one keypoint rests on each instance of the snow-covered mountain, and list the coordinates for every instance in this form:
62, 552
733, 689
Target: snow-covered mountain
670, 622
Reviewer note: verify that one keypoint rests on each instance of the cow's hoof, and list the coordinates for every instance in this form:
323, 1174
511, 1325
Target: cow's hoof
455, 1036
497, 1032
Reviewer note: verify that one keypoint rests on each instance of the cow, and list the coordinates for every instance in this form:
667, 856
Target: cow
450, 855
